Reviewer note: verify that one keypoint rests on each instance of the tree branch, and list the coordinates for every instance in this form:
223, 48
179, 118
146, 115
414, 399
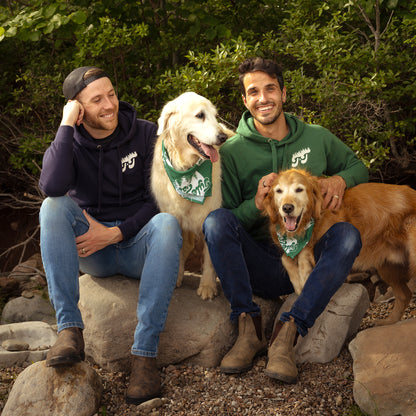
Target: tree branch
22, 244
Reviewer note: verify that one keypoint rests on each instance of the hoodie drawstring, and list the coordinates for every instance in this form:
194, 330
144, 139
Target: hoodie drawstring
120, 178
284, 163
100, 176
274, 155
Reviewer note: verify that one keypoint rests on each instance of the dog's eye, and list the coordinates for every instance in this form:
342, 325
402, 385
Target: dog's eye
201, 115
278, 191
297, 190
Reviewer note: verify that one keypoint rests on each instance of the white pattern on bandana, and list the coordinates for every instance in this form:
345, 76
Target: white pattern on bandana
293, 246
194, 184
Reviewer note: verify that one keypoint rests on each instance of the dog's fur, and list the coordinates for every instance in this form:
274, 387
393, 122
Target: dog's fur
189, 129
384, 214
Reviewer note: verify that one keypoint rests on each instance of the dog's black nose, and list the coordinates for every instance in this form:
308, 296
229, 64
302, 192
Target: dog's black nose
288, 208
222, 137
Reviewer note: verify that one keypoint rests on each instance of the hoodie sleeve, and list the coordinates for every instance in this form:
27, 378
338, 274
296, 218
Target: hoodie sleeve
342, 161
58, 172
132, 225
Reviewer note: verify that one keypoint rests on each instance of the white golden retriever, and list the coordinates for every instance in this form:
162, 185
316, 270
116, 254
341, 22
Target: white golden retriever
191, 134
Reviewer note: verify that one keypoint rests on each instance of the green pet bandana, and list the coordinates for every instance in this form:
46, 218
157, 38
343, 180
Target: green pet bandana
194, 184
293, 246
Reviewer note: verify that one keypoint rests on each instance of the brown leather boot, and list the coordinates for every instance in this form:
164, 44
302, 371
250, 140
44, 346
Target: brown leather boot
144, 380
68, 348
281, 363
250, 342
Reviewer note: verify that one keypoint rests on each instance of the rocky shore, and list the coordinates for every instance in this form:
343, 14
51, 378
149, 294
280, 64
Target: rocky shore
323, 389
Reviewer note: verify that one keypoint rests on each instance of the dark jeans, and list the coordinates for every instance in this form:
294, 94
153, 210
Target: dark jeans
246, 267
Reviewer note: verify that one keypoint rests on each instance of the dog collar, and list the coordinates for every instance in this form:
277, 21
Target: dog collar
194, 184
292, 246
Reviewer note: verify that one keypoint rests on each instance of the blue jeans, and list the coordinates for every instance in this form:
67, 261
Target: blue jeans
151, 256
246, 267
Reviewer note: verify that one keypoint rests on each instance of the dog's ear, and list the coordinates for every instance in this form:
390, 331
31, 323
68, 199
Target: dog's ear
226, 130
163, 121
270, 207
317, 198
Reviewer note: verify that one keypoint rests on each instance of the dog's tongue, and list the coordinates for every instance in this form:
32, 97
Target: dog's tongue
290, 223
210, 152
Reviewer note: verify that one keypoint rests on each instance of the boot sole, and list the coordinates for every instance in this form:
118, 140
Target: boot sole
65, 360
238, 370
281, 377
235, 370
140, 400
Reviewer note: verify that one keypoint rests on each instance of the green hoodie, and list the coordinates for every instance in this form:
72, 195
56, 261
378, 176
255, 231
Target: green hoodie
248, 156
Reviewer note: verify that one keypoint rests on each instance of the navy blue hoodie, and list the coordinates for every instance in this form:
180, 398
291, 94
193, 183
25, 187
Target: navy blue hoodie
110, 180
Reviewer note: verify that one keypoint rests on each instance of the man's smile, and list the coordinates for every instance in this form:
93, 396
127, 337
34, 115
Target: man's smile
265, 108
107, 115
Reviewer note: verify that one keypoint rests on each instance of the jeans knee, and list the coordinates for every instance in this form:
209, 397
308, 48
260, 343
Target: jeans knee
215, 223
351, 241
52, 208
167, 226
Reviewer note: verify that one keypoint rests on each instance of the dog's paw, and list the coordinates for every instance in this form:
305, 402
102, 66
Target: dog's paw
179, 281
207, 292
385, 321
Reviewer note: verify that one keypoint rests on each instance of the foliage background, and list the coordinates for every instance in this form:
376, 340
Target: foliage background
349, 65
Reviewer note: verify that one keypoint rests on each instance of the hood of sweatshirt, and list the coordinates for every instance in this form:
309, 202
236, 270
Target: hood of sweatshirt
247, 129
126, 129
280, 149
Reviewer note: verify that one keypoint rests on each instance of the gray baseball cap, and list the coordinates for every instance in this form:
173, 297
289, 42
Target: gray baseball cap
75, 83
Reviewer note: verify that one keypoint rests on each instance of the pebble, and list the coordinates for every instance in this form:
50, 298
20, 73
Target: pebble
28, 294
150, 405
338, 400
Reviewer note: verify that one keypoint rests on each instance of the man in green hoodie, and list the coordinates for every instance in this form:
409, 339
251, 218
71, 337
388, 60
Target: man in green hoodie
244, 256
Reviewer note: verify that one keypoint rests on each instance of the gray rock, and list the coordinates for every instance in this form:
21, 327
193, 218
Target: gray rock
197, 332
41, 390
338, 322
385, 369
39, 336
14, 345
24, 309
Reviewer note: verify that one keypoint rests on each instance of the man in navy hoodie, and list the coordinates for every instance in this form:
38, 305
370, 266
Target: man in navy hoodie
99, 217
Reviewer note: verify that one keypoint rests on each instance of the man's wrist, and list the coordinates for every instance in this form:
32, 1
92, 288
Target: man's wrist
341, 179
117, 235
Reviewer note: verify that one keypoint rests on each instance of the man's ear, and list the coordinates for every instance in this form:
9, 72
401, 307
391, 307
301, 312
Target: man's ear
244, 100
284, 95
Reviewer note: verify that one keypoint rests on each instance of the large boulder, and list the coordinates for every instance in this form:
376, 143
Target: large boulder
197, 332
337, 323
385, 369
41, 390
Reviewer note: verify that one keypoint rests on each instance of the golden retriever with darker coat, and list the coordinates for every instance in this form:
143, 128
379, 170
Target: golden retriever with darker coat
384, 214
190, 134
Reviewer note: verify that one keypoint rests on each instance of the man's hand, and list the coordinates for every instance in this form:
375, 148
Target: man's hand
97, 237
332, 189
72, 114
263, 188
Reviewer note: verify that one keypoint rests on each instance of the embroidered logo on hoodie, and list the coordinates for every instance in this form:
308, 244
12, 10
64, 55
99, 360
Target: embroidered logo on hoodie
128, 161
300, 157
